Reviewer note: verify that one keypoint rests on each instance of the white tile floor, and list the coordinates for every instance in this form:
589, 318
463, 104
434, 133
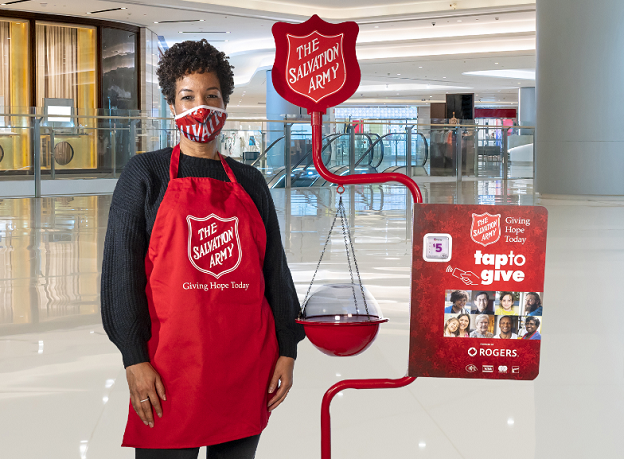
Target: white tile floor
63, 392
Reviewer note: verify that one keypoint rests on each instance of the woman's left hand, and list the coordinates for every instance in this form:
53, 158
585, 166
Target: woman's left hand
282, 381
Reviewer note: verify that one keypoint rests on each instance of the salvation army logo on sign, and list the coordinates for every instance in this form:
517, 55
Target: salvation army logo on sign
315, 63
485, 228
214, 245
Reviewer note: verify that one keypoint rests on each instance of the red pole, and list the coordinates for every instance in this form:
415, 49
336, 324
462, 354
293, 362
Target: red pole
317, 146
351, 384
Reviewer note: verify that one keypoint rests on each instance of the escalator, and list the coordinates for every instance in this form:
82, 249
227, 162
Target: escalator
371, 153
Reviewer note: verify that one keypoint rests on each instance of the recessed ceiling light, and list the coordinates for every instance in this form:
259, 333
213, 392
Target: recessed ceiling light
459, 20
495, 63
155, 22
419, 67
201, 20
376, 26
398, 74
444, 77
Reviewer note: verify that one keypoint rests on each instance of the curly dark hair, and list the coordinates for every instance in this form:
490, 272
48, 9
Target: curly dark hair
194, 56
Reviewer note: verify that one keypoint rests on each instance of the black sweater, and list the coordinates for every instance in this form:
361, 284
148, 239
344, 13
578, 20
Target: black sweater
137, 197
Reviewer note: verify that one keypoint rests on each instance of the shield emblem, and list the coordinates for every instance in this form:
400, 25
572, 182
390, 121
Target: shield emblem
485, 228
315, 65
214, 244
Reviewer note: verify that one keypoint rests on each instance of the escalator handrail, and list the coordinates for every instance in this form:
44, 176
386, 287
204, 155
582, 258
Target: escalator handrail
399, 133
264, 153
426, 146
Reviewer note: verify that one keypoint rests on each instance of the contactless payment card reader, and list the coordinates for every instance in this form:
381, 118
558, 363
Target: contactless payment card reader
437, 247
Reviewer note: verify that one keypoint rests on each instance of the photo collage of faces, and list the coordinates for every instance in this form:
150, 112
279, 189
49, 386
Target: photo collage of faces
487, 314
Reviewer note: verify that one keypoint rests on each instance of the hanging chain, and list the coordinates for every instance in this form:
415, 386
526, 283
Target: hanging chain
357, 269
341, 211
331, 229
348, 243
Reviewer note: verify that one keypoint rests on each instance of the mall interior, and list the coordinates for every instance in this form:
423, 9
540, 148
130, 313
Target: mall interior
481, 102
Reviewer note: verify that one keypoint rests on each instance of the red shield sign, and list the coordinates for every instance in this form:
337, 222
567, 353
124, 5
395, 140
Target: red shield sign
213, 244
485, 228
315, 63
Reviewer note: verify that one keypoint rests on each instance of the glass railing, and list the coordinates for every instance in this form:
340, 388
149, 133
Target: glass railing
42, 155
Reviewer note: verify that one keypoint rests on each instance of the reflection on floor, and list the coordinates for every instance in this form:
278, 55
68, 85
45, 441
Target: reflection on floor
62, 387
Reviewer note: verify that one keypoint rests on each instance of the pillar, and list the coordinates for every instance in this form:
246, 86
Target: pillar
277, 108
580, 140
527, 109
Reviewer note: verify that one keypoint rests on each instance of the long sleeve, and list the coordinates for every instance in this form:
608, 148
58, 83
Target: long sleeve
125, 312
279, 287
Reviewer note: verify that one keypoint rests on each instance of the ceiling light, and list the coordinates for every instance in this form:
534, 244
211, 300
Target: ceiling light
495, 63
155, 22
106, 11
201, 20
398, 74
419, 67
376, 26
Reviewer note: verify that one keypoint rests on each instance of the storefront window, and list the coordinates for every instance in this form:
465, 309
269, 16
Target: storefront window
119, 70
66, 65
66, 77
14, 95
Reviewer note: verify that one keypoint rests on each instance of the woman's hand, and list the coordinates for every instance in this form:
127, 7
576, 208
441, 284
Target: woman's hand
145, 384
283, 375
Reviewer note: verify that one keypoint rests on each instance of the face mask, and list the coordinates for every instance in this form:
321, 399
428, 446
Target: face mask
201, 124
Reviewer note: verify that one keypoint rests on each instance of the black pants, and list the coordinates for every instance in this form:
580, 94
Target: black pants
245, 448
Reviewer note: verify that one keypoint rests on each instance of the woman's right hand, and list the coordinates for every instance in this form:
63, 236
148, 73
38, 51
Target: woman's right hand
145, 384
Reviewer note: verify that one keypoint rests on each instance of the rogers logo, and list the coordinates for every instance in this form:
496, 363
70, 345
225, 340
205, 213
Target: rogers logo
493, 352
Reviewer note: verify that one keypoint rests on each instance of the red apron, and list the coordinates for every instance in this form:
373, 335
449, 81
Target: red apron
213, 333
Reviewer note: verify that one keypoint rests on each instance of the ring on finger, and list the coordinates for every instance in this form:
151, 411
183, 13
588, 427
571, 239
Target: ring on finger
144, 400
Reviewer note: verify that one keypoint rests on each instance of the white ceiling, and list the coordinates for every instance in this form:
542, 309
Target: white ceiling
405, 58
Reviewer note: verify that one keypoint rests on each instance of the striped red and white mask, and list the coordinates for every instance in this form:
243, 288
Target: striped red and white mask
201, 124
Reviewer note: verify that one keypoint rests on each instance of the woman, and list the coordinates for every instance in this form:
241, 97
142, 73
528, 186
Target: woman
196, 292
459, 299
482, 323
464, 326
532, 304
531, 327
451, 328
506, 307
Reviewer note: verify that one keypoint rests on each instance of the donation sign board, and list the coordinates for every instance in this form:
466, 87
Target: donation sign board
315, 63
477, 291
